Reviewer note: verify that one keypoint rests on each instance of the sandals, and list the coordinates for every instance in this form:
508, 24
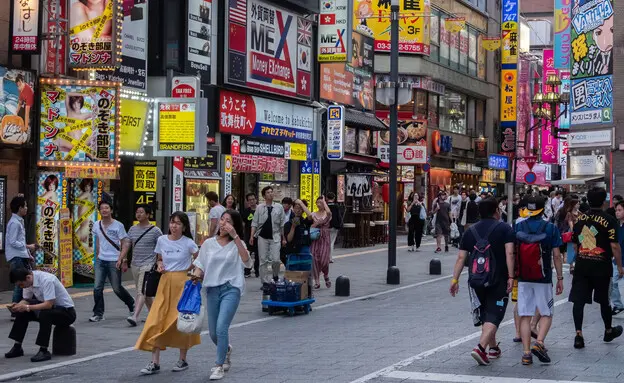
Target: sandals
317, 286
327, 283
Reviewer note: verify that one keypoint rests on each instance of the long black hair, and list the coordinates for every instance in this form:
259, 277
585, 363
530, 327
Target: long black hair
237, 222
185, 221
225, 201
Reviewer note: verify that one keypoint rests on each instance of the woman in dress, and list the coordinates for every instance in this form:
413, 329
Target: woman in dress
175, 253
415, 223
221, 264
321, 248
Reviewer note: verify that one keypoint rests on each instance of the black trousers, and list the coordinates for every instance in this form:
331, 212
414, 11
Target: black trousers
253, 252
415, 231
56, 316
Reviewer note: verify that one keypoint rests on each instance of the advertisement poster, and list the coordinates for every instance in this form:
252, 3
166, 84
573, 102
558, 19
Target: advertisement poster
592, 62
562, 36
132, 72
78, 123
332, 31
335, 132
17, 103
198, 37
51, 192
176, 122
87, 194
25, 23
269, 49
55, 56
411, 140
373, 19
91, 34
246, 115
65, 250
549, 145
133, 120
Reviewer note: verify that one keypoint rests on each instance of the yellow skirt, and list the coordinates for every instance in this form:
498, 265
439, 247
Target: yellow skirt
160, 330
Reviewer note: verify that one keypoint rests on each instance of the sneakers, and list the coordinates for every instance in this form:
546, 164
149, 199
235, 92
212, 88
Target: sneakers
180, 366
539, 351
217, 373
527, 359
494, 352
480, 356
616, 311
96, 318
151, 369
410, 248
42, 356
614, 333
579, 342
131, 320
15, 352
228, 363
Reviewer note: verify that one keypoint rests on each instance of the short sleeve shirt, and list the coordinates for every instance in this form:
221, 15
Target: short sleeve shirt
552, 241
216, 212
143, 252
594, 232
176, 255
500, 236
27, 96
116, 232
47, 287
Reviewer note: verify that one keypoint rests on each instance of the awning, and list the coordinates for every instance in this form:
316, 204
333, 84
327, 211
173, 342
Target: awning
201, 174
577, 180
359, 159
366, 120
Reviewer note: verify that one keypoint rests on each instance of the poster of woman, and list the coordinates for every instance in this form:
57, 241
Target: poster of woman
17, 100
50, 188
84, 216
92, 28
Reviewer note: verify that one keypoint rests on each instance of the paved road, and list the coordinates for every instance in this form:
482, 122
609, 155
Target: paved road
411, 332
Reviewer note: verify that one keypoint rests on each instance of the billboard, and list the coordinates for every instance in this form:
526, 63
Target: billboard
54, 57
510, 33
51, 192
411, 140
133, 120
198, 48
25, 24
17, 102
87, 193
332, 30
92, 34
269, 49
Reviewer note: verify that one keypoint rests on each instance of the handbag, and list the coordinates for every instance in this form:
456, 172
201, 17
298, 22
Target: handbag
408, 216
567, 237
423, 213
315, 233
151, 279
191, 308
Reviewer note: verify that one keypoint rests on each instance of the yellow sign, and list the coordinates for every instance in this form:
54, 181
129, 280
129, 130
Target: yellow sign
316, 191
305, 189
133, 118
491, 43
508, 94
66, 252
455, 24
510, 42
145, 177
372, 18
176, 126
297, 152
86, 171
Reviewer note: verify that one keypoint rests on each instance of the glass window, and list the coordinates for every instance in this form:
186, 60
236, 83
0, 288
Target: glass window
454, 113
444, 41
463, 50
409, 107
432, 109
454, 49
421, 105
481, 59
472, 68
434, 51
472, 45
435, 27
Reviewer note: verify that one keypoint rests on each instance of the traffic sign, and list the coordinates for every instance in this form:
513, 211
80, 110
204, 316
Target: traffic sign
426, 167
530, 178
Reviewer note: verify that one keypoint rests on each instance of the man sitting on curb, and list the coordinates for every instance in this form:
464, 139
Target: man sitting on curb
46, 301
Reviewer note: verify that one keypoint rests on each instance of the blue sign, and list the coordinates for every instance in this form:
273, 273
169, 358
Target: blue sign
446, 144
510, 11
592, 100
496, 161
335, 132
306, 167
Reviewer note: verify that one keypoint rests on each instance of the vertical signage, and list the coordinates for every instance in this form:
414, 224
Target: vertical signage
510, 33
549, 144
65, 249
564, 120
178, 184
227, 184
199, 21
306, 183
93, 29
562, 38
332, 30
563, 151
316, 182
25, 23
335, 132
145, 184
3, 187
55, 55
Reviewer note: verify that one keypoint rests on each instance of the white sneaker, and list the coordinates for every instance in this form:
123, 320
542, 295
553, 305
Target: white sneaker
228, 363
217, 373
96, 318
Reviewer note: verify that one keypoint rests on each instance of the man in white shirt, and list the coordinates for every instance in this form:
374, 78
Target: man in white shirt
16, 250
46, 301
216, 211
111, 251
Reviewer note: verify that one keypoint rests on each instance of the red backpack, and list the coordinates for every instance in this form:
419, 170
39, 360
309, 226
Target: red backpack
530, 252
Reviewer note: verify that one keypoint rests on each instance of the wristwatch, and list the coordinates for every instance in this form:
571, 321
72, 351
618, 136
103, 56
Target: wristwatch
560, 278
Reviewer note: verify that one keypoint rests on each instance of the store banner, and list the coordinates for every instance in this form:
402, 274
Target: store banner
564, 120
563, 151
92, 35
306, 181
259, 164
549, 145
65, 252
296, 152
246, 115
411, 140
590, 139
17, 106
455, 24
562, 37
359, 186
25, 24
316, 183
54, 56
132, 71
86, 195
177, 127
185, 87
227, 183
499, 162
262, 148
51, 192
145, 176
491, 43
539, 169
592, 62
372, 18
210, 162
510, 32
3, 209
198, 37
591, 165
335, 132
79, 122
177, 176
333, 30
269, 49
133, 121
525, 109
90, 171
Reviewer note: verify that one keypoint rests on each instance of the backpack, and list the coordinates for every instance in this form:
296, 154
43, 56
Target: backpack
531, 252
482, 262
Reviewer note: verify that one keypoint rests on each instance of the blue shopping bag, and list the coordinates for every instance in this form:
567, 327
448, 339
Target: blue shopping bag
190, 302
571, 253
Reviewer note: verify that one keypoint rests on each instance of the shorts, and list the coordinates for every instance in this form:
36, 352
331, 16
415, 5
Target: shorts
493, 304
514, 291
138, 273
535, 296
442, 230
584, 285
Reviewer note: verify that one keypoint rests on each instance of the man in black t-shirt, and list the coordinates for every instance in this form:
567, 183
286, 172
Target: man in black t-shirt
596, 241
493, 299
248, 214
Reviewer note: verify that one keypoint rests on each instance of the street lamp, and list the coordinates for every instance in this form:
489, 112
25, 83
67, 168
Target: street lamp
549, 106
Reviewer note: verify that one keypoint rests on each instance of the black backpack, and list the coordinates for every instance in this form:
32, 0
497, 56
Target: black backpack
481, 261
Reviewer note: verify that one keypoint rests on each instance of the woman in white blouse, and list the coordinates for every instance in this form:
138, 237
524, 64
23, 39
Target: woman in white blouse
221, 262
175, 253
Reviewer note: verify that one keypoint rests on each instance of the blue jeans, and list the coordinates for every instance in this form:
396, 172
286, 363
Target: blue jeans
616, 298
17, 263
222, 303
104, 270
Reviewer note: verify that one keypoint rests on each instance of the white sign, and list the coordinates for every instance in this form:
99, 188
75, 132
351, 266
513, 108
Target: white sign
587, 165
589, 138
177, 203
563, 151
198, 36
25, 26
184, 87
335, 132
227, 184
358, 186
332, 30
406, 155
548, 168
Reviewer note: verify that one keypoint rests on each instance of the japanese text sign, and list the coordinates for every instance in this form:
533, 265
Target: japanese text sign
496, 161
335, 132
145, 176
333, 30
25, 24
92, 35
177, 127
562, 37
510, 32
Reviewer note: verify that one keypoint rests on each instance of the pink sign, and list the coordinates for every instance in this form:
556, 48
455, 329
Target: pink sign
549, 144
539, 170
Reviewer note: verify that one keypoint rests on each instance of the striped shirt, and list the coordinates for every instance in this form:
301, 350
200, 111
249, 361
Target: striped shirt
143, 253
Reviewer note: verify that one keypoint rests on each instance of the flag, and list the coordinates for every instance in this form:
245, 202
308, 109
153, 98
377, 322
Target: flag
237, 74
238, 36
238, 11
304, 32
329, 19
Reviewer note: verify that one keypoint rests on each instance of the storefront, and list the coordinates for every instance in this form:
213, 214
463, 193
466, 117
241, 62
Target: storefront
466, 176
492, 181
